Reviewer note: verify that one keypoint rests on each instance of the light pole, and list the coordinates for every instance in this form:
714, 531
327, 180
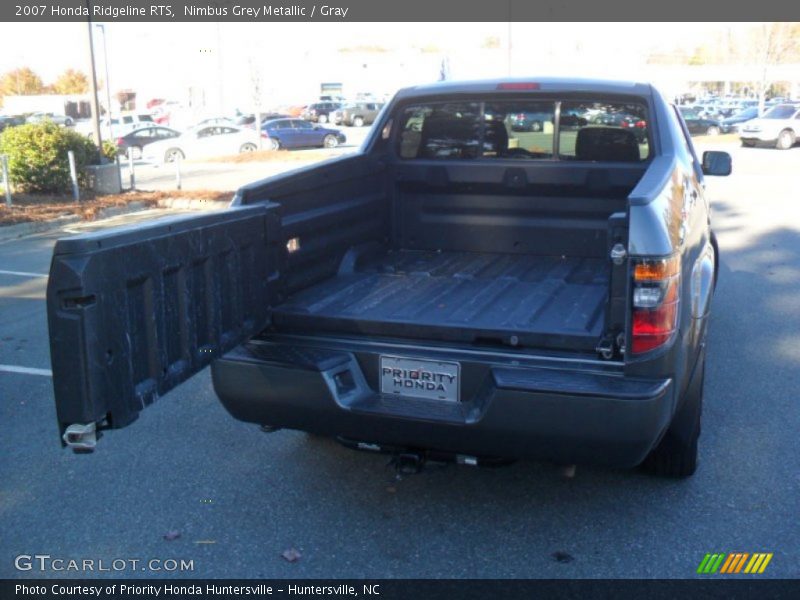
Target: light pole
93, 86
102, 28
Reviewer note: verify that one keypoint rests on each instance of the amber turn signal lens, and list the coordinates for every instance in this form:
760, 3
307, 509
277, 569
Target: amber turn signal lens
656, 270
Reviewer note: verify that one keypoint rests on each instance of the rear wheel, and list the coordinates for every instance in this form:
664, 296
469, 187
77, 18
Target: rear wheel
785, 140
536, 126
248, 147
713, 130
173, 154
358, 122
323, 119
274, 144
676, 454
330, 141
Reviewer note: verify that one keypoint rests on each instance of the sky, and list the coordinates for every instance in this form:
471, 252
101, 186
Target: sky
232, 64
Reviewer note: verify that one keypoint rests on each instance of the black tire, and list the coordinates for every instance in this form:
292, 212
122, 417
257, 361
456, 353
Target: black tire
536, 126
713, 130
172, 154
358, 122
69, 122
322, 119
785, 140
248, 147
274, 144
330, 141
676, 454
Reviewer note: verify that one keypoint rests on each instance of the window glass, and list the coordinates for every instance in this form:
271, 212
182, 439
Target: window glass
300, 124
603, 131
519, 129
440, 130
146, 118
127, 120
782, 111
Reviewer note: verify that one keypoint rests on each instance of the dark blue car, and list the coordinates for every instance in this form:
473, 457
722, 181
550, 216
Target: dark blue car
298, 133
743, 116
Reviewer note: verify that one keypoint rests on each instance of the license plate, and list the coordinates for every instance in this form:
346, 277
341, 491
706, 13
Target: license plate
417, 378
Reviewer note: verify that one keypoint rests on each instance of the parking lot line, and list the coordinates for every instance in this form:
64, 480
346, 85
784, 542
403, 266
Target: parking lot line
26, 370
22, 273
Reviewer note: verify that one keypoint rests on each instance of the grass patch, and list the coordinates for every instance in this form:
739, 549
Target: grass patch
39, 207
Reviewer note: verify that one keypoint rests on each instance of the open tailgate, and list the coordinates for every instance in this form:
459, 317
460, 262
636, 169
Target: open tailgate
135, 311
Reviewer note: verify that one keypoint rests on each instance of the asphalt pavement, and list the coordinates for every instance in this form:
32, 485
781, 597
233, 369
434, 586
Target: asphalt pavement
186, 481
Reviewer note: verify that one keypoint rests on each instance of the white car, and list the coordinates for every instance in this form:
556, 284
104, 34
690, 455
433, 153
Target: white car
779, 127
118, 126
204, 142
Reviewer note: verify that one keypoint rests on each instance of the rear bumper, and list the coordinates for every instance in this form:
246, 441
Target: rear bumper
509, 408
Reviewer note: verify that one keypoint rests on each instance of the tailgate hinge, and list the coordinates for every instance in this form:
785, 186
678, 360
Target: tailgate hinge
80, 437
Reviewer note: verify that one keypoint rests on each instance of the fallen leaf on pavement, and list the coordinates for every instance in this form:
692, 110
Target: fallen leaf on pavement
291, 555
562, 557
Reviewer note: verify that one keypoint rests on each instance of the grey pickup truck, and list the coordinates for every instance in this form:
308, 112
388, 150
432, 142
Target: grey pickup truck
458, 288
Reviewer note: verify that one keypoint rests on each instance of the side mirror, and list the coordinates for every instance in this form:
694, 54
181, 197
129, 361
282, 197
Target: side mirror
717, 163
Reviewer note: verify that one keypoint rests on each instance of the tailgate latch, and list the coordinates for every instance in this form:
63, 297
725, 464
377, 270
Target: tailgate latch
80, 437
618, 254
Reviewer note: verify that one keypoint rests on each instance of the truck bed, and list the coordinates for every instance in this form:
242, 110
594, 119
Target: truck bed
544, 301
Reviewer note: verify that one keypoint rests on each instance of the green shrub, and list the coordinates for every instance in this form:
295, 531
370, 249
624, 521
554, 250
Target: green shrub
37, 157
110, 150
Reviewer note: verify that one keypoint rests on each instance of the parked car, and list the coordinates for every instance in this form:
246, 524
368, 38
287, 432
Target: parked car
624, 120
556, 308
39, 117
11, 121
779, 127
117, 126
299, 133
731, 123
357, 114
529, 121
132, 144
319, 112
215, 140
699, 125
250, 120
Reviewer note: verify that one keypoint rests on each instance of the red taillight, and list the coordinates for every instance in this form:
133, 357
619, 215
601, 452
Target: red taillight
656, 287
517, 85
641, 124
120, 141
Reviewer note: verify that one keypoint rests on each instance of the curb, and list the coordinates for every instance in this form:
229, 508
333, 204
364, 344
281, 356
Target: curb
187, 203
10, 232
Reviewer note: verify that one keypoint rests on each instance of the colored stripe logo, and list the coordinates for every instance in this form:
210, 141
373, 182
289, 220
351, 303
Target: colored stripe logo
734, 562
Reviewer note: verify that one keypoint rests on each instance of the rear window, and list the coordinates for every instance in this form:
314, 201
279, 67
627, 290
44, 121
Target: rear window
525, 130
604, 131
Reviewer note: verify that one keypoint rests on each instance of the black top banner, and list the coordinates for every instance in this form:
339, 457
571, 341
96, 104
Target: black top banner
265, 11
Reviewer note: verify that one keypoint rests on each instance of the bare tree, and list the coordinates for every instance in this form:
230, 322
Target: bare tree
771, 44
255, 95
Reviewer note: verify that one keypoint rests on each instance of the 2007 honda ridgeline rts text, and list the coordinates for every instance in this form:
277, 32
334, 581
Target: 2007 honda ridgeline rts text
461, 287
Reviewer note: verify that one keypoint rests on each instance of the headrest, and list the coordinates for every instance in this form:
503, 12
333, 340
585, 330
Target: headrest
606, 144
